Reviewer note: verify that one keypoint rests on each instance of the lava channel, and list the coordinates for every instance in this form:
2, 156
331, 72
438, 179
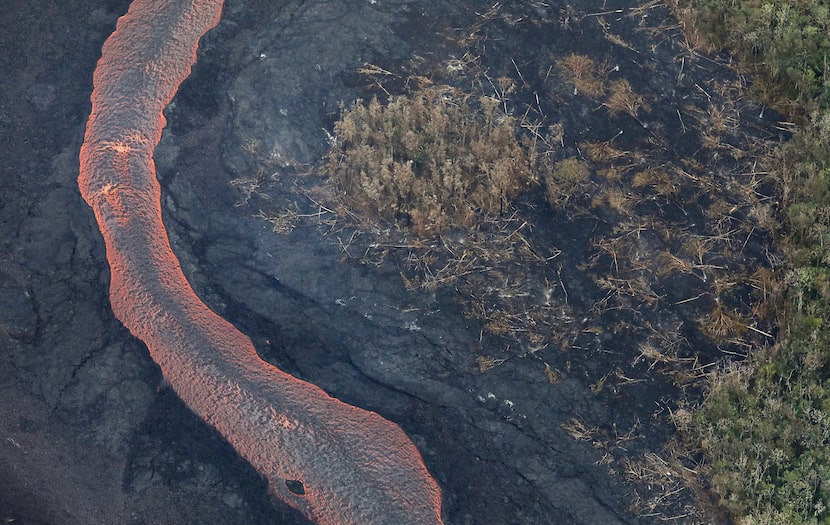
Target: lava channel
336, 463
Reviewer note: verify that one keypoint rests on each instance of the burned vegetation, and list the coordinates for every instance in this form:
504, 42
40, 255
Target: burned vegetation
598, 202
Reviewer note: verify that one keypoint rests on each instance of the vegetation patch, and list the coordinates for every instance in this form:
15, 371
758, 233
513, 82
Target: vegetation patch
587, 77
785, 41
764, 429
563, 182
429, 161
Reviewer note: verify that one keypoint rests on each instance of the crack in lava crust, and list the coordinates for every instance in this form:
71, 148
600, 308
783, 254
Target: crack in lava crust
353, 466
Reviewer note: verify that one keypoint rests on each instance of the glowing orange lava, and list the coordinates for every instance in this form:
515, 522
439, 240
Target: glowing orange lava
337, 463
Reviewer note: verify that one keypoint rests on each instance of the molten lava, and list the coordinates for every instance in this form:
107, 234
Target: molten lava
337, 463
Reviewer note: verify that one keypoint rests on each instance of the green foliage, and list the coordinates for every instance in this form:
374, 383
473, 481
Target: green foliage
429, 161
787, 40
764, 428
806, 176
765, 431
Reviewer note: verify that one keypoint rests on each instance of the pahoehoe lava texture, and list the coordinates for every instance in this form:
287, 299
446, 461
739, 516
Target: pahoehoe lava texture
337, 463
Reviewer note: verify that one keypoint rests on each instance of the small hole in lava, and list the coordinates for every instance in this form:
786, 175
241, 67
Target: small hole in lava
295, 486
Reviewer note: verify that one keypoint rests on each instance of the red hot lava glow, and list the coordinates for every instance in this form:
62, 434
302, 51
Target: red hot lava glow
349, 465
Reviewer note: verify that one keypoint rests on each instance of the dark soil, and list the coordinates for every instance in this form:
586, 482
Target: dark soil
89, 433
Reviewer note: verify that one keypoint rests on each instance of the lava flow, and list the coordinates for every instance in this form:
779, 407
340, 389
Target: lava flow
337, 463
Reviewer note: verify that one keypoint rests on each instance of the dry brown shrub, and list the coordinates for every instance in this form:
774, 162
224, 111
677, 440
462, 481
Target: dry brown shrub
657, 179
587, 77
616, 199
687, 17
564, 181
623, 99
428, 161
722, 324
602, 151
